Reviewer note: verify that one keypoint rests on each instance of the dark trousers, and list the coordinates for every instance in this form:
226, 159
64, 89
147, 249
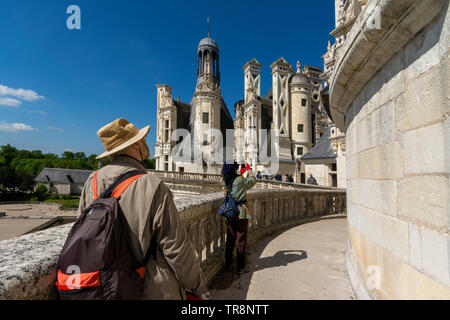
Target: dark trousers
236, 237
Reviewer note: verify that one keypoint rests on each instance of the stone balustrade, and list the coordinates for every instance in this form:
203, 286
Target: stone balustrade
208, 182
186, 175
28, 263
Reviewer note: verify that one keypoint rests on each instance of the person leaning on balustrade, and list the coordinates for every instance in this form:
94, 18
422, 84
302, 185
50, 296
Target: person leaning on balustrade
312, 180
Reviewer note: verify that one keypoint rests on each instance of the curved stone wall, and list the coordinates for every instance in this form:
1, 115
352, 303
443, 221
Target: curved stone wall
390, 93
28, 263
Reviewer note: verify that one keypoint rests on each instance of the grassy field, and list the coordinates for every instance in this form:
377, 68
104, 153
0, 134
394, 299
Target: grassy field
66, 203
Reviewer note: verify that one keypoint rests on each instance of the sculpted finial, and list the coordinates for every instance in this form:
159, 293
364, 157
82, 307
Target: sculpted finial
299, 65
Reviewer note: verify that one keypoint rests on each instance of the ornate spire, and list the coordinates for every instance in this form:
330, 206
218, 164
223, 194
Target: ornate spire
299, 65
208, 20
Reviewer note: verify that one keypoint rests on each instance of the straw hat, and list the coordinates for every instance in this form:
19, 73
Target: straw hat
119, 135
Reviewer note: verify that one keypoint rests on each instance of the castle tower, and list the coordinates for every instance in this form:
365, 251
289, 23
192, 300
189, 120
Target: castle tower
207, 101
252, 82
281, 72
239, 127
300, 91
167, 121
251, 111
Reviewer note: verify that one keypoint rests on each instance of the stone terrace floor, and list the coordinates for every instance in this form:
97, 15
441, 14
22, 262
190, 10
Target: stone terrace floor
21, 218
306, 262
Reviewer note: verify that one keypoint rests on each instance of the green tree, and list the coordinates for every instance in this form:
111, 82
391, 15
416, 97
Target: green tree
105, 161
24, 154
6, 178
37, 154
50, 156
68, 155
8, 153
24, 182
40, 192
80, 156
92, 162
149, 163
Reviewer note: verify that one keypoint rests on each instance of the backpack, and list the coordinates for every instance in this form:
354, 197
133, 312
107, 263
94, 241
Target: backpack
230, 207
96, 262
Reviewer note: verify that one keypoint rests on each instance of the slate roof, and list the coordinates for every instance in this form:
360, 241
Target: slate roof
322, 149
226, 120
60, 175
183, 114
208, 42
300, 78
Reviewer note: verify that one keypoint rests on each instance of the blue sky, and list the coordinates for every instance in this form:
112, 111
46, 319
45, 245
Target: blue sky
75, 81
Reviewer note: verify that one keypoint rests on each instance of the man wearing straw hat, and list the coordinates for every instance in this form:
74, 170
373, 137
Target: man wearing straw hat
153, 220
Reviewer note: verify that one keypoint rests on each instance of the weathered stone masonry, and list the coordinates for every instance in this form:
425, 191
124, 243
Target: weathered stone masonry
390, 93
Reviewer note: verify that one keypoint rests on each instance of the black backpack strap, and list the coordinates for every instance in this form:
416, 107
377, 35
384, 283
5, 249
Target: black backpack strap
107, 193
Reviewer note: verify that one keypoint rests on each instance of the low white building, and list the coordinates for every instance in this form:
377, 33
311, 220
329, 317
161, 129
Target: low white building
63, 181
320, 161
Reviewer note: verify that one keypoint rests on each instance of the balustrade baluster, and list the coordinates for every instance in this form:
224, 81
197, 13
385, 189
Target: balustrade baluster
276, 212
254, 214
215, 234
310, 205
321, 200
303, 212
269, 216
297, 208
252, 220
329, 203
293, 200
223, 230
197, 241
337, 204
317, 204
285, 208
262, 216
207, 238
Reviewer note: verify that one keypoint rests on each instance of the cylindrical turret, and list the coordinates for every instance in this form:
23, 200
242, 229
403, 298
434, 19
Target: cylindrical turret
300, 92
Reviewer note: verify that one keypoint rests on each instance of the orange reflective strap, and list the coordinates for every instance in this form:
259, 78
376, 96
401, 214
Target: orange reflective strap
141, 272
94, 185
69, 282
124, 185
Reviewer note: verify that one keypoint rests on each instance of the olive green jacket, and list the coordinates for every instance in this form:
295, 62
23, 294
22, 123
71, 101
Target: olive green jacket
239, 192
151, 214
